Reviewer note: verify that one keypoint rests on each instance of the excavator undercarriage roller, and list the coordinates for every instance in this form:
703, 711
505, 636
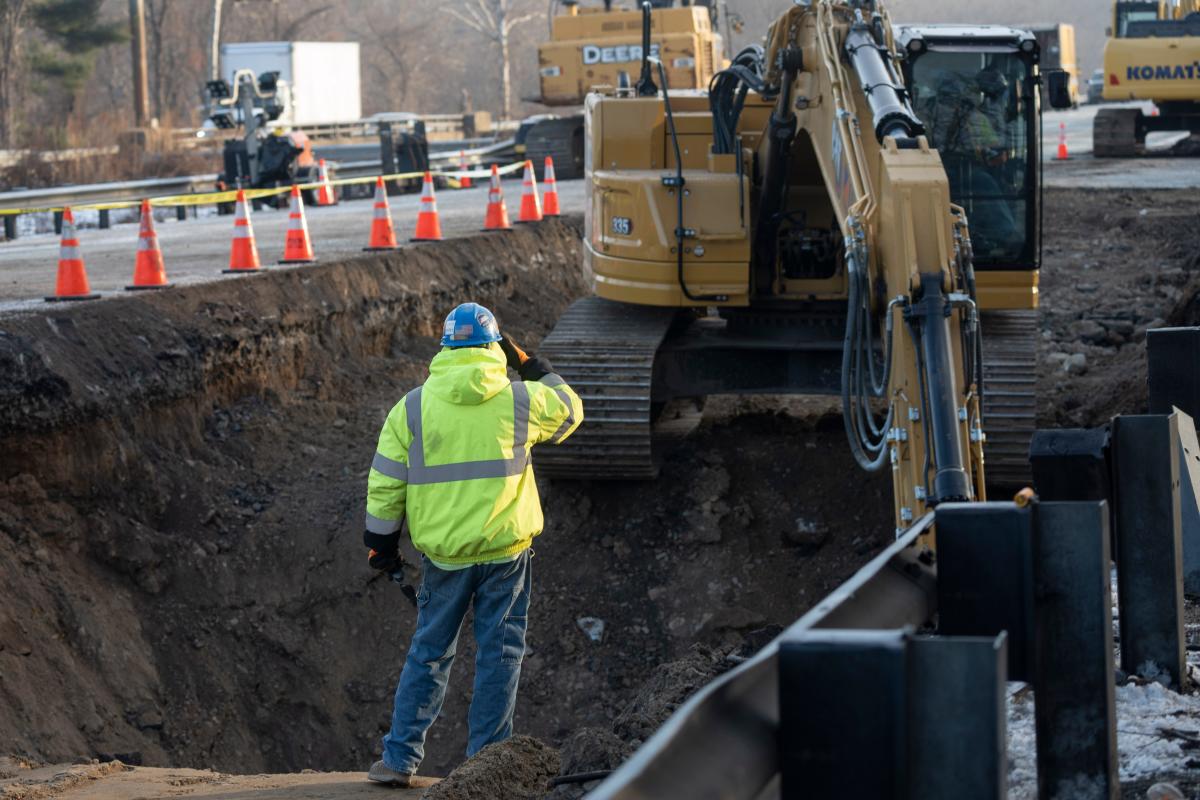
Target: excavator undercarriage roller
1009, 395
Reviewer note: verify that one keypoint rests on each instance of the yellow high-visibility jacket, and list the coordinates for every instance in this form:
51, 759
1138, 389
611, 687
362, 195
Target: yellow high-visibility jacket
454, 458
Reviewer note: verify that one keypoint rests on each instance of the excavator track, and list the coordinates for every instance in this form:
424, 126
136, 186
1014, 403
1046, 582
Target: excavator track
1116, 134
1009, 395
561, 138
605, 351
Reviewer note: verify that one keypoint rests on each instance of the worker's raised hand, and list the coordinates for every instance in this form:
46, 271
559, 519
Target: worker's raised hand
513, 352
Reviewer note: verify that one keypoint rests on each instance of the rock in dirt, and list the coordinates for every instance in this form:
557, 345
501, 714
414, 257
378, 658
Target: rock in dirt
1088, 330
1075, 363
807, 533
515, 769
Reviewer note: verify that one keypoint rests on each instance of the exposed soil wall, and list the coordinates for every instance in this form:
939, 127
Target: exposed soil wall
176, 509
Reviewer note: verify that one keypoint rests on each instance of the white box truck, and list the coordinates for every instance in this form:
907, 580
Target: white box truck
322, 77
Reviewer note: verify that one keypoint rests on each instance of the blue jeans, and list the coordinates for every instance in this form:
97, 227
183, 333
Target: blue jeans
501, 598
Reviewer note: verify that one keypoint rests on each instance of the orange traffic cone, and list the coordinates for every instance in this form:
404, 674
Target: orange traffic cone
326, 196
297, 247
550, 197
497, 212
465, 181
148, 269
429, 226
383, 235
72, 283
531, 204
243, 257
1062, 142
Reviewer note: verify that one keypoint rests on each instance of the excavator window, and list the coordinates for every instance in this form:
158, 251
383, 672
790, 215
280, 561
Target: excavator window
978, 109
1131, 16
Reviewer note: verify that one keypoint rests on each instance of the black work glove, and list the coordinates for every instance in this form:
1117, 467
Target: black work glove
385, 561
534, 368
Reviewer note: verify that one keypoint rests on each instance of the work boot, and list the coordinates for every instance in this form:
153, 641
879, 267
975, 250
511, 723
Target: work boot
382, 773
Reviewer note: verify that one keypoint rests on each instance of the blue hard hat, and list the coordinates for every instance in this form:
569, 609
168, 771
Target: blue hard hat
468, 325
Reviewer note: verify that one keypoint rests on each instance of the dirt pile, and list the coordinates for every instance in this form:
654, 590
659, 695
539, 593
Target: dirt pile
518, 768
598, 750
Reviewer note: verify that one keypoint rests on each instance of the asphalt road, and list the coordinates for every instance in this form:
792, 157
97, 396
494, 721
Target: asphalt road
196, 250
1083, 171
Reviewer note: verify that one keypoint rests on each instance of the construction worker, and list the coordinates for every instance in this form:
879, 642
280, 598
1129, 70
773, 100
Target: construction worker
996, 103
956, 124
453, 462
974, 153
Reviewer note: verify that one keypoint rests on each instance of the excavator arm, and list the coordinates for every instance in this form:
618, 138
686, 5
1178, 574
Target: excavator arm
907, 264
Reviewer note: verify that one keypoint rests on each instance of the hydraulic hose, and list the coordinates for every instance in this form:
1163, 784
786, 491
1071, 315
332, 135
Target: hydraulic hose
727, 95
868, 439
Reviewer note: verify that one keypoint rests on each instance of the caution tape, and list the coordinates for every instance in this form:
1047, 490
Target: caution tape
453, 177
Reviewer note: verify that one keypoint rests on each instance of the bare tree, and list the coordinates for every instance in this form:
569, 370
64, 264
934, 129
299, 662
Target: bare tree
12, 23
494, 19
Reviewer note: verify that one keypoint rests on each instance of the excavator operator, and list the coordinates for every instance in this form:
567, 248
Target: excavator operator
960, 121
453, 461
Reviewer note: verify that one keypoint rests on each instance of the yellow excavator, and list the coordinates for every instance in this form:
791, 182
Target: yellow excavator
601, 45
790, 231
1153, 53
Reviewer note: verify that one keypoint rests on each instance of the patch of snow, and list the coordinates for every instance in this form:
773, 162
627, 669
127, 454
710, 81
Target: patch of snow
1144, 713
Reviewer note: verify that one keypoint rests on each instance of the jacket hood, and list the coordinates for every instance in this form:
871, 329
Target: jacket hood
467, 376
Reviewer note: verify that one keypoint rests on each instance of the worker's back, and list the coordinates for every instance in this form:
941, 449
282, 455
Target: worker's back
461, 444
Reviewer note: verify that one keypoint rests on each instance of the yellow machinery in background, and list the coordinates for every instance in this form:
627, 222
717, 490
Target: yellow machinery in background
1056, 48
791, 231
595, 46
1153, 53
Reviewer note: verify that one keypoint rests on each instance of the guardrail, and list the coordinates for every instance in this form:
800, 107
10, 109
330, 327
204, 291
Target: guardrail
349, 162
29, 201
114, 192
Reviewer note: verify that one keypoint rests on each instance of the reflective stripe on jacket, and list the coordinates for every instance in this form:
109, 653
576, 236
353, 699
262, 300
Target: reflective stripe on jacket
454, 457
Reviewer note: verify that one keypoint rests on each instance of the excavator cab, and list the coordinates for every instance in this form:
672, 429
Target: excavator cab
976, 91
1127, 15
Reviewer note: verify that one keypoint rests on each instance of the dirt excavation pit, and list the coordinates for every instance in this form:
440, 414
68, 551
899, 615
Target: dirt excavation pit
181, 492
181, 507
